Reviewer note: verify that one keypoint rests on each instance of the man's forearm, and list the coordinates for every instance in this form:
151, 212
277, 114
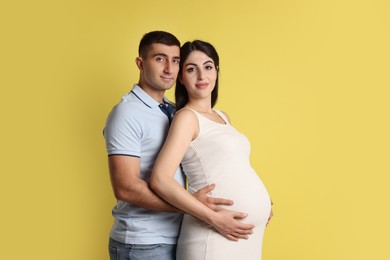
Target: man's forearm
141, 195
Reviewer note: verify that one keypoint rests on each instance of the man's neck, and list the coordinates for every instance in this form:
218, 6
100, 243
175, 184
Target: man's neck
156, 95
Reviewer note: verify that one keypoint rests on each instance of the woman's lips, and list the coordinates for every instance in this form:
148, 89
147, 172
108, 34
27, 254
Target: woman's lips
201, 85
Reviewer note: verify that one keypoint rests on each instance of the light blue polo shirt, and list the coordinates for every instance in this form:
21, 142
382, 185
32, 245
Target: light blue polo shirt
137, 127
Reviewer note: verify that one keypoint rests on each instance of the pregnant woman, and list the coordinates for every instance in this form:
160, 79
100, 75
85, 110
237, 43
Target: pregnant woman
210, 151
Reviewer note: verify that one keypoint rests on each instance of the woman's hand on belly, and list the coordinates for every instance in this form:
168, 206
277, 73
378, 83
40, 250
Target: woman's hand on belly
228, 224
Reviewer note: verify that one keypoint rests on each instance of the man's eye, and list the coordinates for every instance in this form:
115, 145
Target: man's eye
160, 59
176, 61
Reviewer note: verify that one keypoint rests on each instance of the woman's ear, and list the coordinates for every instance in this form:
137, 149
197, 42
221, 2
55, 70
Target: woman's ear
139, 63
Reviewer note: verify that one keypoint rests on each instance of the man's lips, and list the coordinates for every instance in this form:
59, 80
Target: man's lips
165, 78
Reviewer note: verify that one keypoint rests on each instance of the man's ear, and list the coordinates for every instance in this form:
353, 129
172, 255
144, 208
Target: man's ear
139, 63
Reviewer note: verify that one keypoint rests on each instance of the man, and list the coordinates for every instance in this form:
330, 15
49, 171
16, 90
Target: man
146, 227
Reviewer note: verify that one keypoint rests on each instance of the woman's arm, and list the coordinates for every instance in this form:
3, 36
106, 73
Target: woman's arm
183, 130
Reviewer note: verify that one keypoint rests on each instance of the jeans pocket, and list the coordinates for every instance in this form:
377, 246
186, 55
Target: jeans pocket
144, 247
114, 252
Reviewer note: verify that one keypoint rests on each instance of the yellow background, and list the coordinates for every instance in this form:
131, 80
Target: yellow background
307, 82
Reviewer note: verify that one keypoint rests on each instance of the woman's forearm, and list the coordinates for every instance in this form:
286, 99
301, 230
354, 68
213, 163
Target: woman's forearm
175, 194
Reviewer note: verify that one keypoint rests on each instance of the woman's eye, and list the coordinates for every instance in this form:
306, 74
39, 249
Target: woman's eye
190, 69
209, 67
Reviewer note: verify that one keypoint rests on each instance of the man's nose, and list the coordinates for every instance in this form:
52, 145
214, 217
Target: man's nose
168, 67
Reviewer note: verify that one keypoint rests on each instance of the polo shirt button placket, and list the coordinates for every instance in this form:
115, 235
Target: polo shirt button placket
167, 109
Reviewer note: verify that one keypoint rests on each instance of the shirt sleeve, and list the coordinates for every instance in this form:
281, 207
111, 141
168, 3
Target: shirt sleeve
123, 133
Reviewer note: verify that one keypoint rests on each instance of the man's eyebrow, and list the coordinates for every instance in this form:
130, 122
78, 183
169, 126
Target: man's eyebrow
165, 55
160, 54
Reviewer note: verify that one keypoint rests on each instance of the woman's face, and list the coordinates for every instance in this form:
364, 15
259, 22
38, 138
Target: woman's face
199, 75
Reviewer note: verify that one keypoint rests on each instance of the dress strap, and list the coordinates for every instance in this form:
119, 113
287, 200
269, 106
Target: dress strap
223, 116
196, 113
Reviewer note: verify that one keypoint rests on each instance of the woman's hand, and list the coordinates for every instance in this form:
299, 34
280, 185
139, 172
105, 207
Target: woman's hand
228, 224
271, 214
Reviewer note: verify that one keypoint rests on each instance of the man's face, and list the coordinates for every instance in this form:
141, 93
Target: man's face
160, 67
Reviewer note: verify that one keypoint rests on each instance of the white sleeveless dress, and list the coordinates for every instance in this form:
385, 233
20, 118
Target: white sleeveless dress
220, 155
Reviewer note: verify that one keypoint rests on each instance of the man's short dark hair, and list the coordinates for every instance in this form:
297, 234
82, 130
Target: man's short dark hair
162, 37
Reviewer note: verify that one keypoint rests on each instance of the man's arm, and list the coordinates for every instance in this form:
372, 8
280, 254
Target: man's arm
129, 187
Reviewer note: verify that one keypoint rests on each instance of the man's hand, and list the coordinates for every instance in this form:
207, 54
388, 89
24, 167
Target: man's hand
213, 203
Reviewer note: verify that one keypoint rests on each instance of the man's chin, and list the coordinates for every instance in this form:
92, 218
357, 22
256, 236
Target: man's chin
167, 86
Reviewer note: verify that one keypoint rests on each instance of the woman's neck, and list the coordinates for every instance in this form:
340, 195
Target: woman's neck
201, 107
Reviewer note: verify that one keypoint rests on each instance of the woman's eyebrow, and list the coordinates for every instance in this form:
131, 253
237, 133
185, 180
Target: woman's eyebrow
193, 64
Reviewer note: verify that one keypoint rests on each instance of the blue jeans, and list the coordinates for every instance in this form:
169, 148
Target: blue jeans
120, 251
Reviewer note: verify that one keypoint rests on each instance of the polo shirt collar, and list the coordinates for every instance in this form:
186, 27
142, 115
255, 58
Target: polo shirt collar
145, 98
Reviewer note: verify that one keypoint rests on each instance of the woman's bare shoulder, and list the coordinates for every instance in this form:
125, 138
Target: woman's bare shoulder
186, 114
186, 119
